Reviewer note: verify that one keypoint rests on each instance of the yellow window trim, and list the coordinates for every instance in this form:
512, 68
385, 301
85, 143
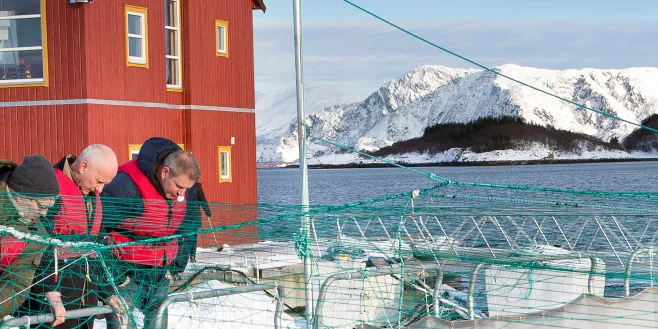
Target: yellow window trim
44, 42
132, 148
143, 11
220, 150
44, 49
135, 148
224, 24
180, 51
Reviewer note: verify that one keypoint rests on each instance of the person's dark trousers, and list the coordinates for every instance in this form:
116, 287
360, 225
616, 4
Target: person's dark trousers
186, 244
183, 256
76, 292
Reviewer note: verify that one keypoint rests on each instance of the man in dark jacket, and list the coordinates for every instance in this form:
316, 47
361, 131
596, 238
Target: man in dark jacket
76, 217
150, 205
27, 192
196, 203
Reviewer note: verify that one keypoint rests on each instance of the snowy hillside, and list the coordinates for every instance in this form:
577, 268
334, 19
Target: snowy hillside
430, 95
277, 112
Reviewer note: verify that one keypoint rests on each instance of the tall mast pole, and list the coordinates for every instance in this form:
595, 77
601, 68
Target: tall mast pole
301, 136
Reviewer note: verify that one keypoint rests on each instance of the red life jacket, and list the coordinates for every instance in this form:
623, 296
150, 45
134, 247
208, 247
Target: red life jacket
158, 219
72, 216
10, 249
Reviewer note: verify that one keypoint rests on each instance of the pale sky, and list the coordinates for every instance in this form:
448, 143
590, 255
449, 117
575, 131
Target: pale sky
348, 49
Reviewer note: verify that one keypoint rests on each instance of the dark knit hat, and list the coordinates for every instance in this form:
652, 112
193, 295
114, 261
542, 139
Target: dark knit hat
34, 175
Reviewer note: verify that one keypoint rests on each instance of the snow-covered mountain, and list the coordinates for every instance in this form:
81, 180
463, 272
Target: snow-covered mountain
429, 95
276, 115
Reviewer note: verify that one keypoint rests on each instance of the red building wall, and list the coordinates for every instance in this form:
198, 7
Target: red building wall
50, 130
86, 55
207, 78
213, 129
213, 80
238, 198
86, 51
119, 126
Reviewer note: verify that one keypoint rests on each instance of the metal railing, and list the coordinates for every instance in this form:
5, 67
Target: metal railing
521, 260
588, 233
173, 298
363, 274
629, 268
44, 318
190, 296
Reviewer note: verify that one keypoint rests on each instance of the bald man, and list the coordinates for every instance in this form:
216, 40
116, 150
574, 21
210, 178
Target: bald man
67, 276
96, 166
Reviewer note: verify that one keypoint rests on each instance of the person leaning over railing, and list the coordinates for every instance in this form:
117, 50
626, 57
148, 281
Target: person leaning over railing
27, 191
146, 200
76, 217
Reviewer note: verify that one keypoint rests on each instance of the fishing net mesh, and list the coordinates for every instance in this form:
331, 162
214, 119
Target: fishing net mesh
454, 252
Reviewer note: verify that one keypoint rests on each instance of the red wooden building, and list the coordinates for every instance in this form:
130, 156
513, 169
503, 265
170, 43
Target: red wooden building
116, 72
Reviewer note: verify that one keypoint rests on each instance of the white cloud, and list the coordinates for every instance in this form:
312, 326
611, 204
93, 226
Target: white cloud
361, 56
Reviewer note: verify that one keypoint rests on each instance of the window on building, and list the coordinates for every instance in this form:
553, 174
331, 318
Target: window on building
23, 51
173, 44
224, 153
136, 36
133, 150
221, 38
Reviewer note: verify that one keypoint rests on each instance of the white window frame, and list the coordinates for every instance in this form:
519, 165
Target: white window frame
139, 61
229, 177
44, 49
177, 58
223, 51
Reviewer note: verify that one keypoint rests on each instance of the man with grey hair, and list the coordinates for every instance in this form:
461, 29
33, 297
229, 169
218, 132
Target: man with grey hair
150, 192
76, 218
96, 166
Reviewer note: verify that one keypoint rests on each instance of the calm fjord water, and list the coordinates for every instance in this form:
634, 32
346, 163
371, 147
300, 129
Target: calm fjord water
339, 186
